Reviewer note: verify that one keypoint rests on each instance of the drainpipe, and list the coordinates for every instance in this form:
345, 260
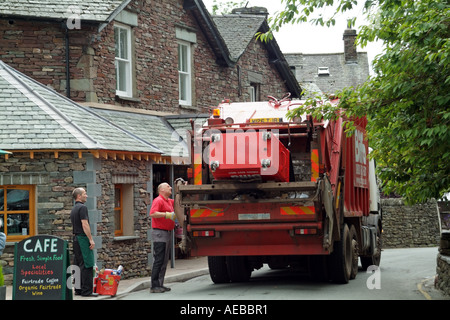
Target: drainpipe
67, 62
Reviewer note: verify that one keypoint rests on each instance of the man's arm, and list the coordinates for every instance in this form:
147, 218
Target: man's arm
87, 232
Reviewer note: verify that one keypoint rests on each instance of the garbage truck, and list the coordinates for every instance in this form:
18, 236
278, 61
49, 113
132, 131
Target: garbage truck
287, 192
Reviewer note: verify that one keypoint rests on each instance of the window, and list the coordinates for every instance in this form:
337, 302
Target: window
122, 37
184, 73
118, 210
123, 210
17, 211
323, 71
254, 92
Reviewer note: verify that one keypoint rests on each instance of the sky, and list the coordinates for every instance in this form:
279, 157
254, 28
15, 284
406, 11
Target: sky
306, 38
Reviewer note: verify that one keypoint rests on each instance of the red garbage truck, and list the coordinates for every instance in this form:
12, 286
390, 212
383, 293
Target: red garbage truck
284, 192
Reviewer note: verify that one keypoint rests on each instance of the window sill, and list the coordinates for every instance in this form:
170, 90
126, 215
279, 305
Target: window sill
124, 238
125, 98
188, 107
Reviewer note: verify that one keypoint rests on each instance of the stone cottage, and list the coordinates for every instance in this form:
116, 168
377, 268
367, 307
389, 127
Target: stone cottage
87, 94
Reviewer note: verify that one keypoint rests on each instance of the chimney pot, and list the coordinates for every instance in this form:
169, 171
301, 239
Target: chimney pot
349, 38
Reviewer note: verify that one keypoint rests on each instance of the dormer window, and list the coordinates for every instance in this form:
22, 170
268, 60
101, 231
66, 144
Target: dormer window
323, 71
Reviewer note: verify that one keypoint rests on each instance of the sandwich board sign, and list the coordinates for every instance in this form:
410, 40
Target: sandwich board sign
40, 269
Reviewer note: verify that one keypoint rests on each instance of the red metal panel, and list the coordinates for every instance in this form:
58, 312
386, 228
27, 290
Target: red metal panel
238, 154
245, 213
258, 241
356, 195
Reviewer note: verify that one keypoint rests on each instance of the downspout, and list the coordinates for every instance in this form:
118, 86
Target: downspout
67, 62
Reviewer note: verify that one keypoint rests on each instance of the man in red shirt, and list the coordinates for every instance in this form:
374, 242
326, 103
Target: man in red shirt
163, 221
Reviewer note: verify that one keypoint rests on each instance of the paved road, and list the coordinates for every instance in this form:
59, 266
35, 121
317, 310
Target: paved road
405, 274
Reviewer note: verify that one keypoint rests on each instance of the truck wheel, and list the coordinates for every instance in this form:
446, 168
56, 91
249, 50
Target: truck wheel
218, 269
341, 258
238, 269
355, 252
376, 257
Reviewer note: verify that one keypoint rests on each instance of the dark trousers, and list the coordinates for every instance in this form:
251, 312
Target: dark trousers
161, 253
87, 276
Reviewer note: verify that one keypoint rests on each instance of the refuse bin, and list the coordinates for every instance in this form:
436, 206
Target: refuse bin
107, 282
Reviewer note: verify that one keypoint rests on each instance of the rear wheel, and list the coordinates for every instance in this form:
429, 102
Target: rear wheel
374, 259
355, 252
341, 257
218, 269
239, 269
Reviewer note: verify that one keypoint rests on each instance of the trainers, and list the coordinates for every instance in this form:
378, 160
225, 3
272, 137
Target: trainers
157, 290
166, 289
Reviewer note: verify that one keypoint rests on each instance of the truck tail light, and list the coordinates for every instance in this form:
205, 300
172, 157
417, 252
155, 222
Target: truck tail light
204, 233
301, 231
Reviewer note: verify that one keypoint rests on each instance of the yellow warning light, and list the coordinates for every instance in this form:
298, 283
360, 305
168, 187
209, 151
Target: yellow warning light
216, 113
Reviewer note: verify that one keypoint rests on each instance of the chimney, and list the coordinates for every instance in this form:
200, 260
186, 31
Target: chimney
350, 54
252, 10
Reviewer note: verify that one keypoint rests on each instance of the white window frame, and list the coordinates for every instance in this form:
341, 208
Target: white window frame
187, 101
128, 92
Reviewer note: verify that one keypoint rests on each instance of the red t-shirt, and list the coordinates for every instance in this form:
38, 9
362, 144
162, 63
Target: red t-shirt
162, 205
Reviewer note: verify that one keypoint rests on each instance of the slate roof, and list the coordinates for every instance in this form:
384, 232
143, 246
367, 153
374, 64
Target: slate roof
91, 10
238, 31
153, 129
35, 117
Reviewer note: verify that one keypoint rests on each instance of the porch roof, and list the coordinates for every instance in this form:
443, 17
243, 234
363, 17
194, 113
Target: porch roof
35, 117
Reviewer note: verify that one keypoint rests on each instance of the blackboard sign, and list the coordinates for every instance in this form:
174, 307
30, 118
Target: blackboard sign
40, 269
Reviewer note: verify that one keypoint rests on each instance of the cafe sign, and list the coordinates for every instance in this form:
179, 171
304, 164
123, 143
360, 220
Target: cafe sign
41, 266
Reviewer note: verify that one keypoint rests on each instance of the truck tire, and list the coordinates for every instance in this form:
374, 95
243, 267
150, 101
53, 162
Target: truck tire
218, 269
355, 252
238, 268
341, 258
374, 259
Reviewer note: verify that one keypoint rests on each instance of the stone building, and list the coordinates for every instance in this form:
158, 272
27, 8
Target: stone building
329, 72
87, 94
162, 55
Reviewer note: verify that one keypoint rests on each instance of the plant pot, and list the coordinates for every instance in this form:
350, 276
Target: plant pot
3, 293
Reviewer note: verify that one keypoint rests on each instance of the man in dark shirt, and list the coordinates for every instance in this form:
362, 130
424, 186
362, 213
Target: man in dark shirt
83, 243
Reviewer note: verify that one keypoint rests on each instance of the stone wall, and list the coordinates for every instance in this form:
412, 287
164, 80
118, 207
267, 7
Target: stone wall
409, 226
417, 226
443, 273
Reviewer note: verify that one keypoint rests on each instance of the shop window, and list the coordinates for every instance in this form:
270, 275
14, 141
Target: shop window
17, 211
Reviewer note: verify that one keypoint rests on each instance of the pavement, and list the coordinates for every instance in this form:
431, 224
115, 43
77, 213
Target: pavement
183, 270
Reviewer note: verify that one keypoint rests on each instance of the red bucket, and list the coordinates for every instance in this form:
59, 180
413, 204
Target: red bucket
107, 282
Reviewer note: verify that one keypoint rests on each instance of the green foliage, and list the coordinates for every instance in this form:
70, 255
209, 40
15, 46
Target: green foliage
407, 100
2, 280
220, 7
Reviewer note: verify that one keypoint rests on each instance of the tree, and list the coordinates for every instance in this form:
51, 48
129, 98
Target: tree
225, 7
407, 100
